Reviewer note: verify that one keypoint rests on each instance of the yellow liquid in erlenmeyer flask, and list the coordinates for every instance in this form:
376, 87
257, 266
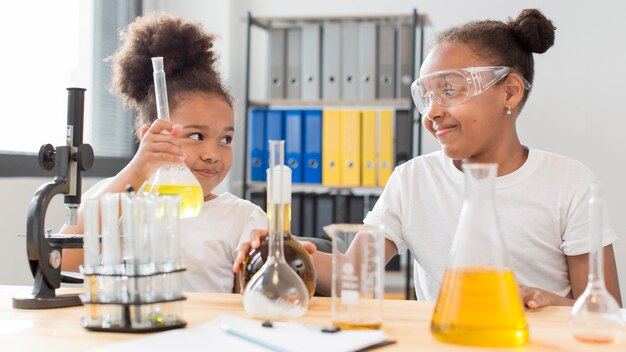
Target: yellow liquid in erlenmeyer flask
191, 197
480, 306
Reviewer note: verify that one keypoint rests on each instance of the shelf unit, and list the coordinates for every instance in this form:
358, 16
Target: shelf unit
369, 193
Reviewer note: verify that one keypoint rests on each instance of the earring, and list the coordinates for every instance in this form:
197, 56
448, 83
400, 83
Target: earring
508, 110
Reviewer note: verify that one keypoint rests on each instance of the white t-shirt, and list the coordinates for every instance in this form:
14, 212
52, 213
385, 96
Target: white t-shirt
542, 210
209, 242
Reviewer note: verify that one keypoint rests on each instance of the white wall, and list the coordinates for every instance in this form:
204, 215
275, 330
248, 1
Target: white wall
575, 108
16, 197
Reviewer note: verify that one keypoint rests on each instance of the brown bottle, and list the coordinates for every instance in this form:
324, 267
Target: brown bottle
296, 256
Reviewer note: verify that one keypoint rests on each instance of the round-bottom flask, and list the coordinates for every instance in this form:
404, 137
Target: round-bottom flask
595, 316
295, 255
276, 292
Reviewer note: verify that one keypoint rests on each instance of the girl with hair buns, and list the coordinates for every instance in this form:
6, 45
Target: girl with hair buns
200, 134
542, 197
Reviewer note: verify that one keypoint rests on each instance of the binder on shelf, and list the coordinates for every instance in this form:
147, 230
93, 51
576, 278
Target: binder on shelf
350, 148
276, 61
357, 209
258, 145
293, 144
259, 198
366, 85
323, 214
296, 214
311, 59
308, 215
331, 147
404, 76
341, 210
386, 61
274, 130
404, 136
393, 264
312, 145
293, 64
349, 60
369, 147
331, 61
385, 146
372, 202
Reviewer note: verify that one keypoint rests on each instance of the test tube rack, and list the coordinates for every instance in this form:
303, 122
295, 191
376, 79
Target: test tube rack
132, 269
128, 301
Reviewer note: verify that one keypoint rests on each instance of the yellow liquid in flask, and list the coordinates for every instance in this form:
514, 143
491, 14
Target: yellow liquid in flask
191, 197
480, 306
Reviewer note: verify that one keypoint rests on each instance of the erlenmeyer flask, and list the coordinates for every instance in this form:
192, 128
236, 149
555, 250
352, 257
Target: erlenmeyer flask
479, 302
595, 316
173, 179
276, 292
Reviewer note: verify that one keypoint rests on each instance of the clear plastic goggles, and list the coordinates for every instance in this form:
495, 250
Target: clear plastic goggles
454, 87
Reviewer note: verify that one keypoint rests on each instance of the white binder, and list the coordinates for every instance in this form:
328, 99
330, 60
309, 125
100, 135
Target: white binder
276, 61
386, 61
349, 60
311, 58
293, 64
331, 61
404, 77
366, 85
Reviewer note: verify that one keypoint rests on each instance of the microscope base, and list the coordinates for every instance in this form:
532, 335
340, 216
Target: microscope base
60, 301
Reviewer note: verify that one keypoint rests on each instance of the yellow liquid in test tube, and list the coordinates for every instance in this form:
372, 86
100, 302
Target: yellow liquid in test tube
191, 201
480, 306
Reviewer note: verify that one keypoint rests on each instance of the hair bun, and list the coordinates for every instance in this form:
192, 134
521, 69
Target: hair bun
533, 30
182, 44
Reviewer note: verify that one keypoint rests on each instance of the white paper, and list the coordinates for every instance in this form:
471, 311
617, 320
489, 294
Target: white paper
210, 336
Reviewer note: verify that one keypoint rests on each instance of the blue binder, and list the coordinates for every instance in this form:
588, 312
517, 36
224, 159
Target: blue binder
312, 145
274, 130
258, 145
293, 143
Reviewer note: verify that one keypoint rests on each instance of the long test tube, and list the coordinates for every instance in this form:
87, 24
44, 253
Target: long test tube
160, 89
91, 248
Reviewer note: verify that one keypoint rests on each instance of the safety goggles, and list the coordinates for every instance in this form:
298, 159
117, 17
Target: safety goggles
454, 87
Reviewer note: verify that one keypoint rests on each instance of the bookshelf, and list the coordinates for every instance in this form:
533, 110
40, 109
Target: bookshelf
378, 88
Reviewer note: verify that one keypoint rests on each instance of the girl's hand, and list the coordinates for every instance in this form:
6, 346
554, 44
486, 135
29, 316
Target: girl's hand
159, 145
534, 298
256, 236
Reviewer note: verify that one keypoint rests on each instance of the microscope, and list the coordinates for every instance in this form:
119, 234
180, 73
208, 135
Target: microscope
45, 250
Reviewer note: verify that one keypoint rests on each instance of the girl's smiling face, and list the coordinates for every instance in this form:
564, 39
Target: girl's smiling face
206, 138
472, 130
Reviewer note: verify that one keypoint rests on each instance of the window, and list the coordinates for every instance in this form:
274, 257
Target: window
54, 45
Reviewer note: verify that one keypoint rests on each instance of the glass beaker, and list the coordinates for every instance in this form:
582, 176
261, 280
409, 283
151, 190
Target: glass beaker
173, 179
276, 292
595, 316
479, 302
358, 275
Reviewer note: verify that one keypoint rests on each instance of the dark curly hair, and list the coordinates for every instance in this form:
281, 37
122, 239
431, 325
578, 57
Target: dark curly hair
507, 44
188, 58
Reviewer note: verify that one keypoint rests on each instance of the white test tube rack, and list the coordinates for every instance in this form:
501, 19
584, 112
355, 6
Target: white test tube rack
135, 285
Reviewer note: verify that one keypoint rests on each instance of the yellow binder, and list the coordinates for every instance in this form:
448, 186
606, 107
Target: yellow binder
368, 148
331, 147
351, 148
385, 146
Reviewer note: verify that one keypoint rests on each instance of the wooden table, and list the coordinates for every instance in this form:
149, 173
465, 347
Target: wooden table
407, 322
